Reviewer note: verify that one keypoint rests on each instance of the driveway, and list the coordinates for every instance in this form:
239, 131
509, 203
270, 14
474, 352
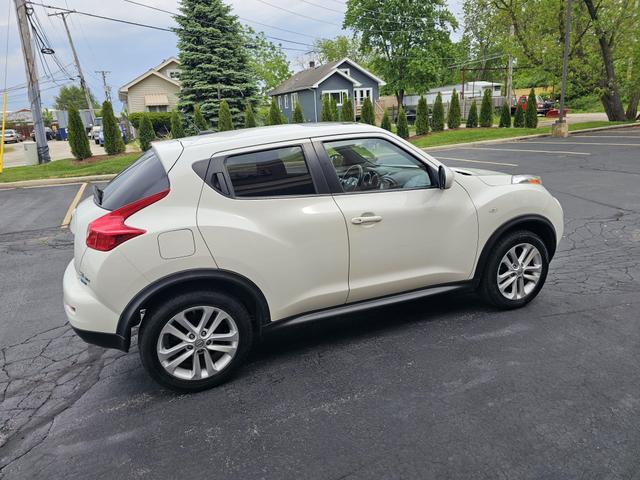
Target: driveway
439, 388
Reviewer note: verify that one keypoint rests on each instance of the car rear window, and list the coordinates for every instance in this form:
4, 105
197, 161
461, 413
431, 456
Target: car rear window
143, 178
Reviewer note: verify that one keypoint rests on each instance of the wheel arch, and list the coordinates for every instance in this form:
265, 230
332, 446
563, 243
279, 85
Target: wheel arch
537, 224
224, 281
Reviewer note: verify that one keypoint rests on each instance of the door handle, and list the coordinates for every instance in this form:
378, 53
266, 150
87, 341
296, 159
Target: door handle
368, 219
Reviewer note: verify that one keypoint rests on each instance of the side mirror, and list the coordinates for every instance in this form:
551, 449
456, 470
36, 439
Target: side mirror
445, 177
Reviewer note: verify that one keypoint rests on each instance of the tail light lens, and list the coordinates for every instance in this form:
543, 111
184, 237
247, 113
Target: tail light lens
109, 231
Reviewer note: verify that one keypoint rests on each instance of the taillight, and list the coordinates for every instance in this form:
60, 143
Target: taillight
109, 231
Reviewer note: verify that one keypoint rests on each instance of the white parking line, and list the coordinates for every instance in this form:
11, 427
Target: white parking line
477, 161
553, 152
606, 136
586, 143
73, 205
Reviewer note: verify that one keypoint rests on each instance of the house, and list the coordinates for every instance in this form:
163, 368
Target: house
155, 90
341, 79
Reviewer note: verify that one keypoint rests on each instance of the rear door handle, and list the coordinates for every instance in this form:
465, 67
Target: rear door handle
368, 219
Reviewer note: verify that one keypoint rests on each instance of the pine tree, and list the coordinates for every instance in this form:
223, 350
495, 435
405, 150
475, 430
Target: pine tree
224, 117
505, 116
335, 114
199, 120
346, 113
422, 117
249, 116
454, 118
177, 130
298, 115
386, 121
113, 143
486, 109
325, 113
275, 115
518, 120
402, 126
214, 61
146, 133
367, 115
472, 119
437, 116
78, 139
531, 113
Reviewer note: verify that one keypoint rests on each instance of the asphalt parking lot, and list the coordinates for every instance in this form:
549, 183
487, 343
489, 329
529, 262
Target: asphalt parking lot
440, 388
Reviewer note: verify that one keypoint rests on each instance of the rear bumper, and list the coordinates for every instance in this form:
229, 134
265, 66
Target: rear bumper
106, 340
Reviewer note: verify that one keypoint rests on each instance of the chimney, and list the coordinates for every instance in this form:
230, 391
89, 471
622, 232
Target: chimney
312, 64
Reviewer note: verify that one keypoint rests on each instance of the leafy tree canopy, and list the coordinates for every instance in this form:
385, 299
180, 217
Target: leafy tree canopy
72, 96
267, 61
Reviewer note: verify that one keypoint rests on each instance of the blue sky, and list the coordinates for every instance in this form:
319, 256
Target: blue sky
127, 51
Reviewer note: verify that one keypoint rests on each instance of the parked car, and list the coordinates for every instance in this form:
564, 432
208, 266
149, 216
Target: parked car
12, 136
50, 134
205, 243
94, 132
542, 106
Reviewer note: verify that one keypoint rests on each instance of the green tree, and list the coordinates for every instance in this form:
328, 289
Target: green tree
411, 44
486, 109
454, 117
472, 118
335, 114
325, 112
401, 125
346, 114
78, 140
214, 60
146, 133
267, 61
386, 121
249, 116
437, 116
198, 119
177, 130
72, 96
298, 115
333, 49
422, 117
224, 117
531, 112
505, 116
47, 117
275, 115
518, 120
113, 143
366, 113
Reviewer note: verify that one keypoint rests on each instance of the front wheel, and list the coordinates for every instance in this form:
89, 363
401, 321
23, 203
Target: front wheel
515, 270
195, 341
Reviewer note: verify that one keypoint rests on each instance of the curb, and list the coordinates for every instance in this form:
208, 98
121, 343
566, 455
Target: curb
46, 182
525, 137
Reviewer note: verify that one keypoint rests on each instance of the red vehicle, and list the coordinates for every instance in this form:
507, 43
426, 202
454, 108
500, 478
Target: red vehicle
543, 107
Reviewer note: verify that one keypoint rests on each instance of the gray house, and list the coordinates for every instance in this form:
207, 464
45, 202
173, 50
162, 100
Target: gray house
341, 79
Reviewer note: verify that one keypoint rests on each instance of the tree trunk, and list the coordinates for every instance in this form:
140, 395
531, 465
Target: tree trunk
399, 97
632, 108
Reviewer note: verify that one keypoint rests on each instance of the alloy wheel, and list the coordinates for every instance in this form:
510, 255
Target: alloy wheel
519, 271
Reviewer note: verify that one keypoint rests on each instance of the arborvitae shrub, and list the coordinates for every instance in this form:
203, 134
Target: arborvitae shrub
486, 110
402, 125
275, 115
249, 116
78, 139
346, 114
422, 117
146, 133
224, 117
325, 113
437, 116
531, 113
472, 118
366, 114
505, 116
113, 143
518, 120
454, 118
177, 130
386, 121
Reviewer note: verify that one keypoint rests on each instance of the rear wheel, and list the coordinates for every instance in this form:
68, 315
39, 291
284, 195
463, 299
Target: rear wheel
195, 341
515, 270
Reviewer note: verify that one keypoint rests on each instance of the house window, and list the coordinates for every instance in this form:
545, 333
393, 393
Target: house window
174, 74
280, 102
338, 95
286, 101
157, 108
359, 94
294, 99
346, 71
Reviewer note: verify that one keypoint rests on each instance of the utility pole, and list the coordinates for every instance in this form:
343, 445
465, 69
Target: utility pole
83, 83
33, 91
509, 88
560, 128
107, 88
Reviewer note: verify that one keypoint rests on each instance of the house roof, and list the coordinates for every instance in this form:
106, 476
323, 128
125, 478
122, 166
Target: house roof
312, 77
152, 71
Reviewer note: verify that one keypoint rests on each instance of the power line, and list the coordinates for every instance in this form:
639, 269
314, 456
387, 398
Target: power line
299, 14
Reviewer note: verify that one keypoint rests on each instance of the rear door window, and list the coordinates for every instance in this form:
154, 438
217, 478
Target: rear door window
142, 179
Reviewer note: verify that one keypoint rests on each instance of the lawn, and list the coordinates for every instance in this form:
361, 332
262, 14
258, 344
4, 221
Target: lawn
70, 168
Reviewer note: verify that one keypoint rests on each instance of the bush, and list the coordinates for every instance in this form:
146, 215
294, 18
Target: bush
386, 121
518, 120
422, 117
78, 139
486, 110
275, 115
346, 114
366, 114
113, 143
472, 119
505, 116
298, 115
199, 120
335, 115
437, 117
224, 117
325, 113
531, 113
454, 117
160, 121
402, 126
146, 133
249, 116
177, 130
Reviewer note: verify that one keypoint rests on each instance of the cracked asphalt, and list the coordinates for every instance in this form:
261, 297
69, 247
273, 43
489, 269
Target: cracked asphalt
440, 388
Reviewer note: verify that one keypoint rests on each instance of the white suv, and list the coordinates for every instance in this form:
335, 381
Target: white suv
207, 242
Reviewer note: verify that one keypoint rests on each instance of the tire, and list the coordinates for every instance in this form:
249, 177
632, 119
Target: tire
154, 340
523, 288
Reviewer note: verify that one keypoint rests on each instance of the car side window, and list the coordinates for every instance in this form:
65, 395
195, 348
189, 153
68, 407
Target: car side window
270, 173
370, 164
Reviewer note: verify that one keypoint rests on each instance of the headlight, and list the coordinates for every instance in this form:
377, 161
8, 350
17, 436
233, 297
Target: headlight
534, 179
